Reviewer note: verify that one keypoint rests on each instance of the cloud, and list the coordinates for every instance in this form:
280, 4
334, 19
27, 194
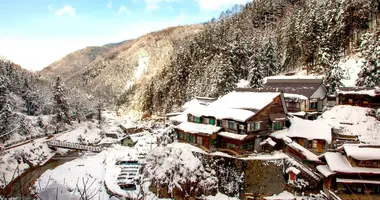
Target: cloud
155, 4
123, 10
109, 4
50, 7
212, 5
67, 9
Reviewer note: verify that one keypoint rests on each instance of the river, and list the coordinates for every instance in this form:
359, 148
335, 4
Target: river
20, 187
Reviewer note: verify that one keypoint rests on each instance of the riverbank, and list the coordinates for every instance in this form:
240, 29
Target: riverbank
22, 185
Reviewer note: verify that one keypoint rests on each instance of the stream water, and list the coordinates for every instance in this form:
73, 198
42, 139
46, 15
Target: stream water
20, 187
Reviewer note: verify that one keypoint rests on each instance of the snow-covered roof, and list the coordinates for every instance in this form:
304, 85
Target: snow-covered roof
295, 77
365, 91
293, 169
361, 152
346, 180
232, 135
190, 127
198, 101
294, 145
325, 170
222, 113
285, 195
239, 106
311, 130
295, 96
179, 118
245, 100
268, 141
338, 163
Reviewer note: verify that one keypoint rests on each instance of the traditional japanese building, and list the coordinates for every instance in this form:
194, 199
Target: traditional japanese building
355, 168
304, 96
238, 121
363, 97
315, 136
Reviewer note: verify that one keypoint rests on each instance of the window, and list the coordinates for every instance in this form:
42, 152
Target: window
256, 126
197, 120
313, 105
231, 146
231, 124
277, 125
250, 146
185, 136
199, 140
212, 121
212, 141
315, 142
178, 135
191, 138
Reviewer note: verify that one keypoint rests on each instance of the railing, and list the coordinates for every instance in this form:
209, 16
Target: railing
70, 145
331, 194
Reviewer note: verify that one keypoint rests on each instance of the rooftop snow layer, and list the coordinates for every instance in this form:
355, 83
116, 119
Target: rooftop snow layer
295, 96
293, 169
338, 163
232, 135
359, 152
366, 127
311, 130
325, 170
345, 180
369, 92
198, 128
268, 141
239, 106
245, 100
221, 113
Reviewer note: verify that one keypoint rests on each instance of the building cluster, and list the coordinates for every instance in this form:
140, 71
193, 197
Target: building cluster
281, 116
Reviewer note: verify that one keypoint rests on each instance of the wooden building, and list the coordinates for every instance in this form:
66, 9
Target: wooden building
363, 97
305, 96
353, 169
238, 121
314, 136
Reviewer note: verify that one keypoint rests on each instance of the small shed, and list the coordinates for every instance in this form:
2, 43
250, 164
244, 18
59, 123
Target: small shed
293, 172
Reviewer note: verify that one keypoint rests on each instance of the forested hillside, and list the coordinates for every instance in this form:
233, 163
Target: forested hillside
158, 72
261, 39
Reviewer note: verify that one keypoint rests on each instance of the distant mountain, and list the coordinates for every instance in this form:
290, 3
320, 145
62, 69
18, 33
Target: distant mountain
158, 72
77, 60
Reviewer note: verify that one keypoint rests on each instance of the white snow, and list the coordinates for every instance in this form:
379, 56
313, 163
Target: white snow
360, 152
276, 155
338, 163
245, 100
295, 96
295, 77
56, 191
233, 135
238, 106
371, 92
268, 141
301, 128
35, 152
325, 170
341, 116
220, 196
74, 174
142, 66
293, 169
351, 67
345, 180
242, 83
285, 195
308, 154
190, 127
85, 132
222, 113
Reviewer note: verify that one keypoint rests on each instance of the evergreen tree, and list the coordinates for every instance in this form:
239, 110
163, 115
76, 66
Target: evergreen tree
369, 76
24, 127
333, 78
61, 107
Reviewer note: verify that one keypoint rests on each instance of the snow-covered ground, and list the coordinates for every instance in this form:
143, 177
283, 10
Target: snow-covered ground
85, 132
354, 121
35, 153
351, 66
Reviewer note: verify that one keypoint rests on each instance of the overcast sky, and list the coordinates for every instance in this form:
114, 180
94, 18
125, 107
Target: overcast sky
35, 33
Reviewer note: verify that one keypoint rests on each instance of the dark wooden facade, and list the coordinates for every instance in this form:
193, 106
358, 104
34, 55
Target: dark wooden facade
268, 119
361, 100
